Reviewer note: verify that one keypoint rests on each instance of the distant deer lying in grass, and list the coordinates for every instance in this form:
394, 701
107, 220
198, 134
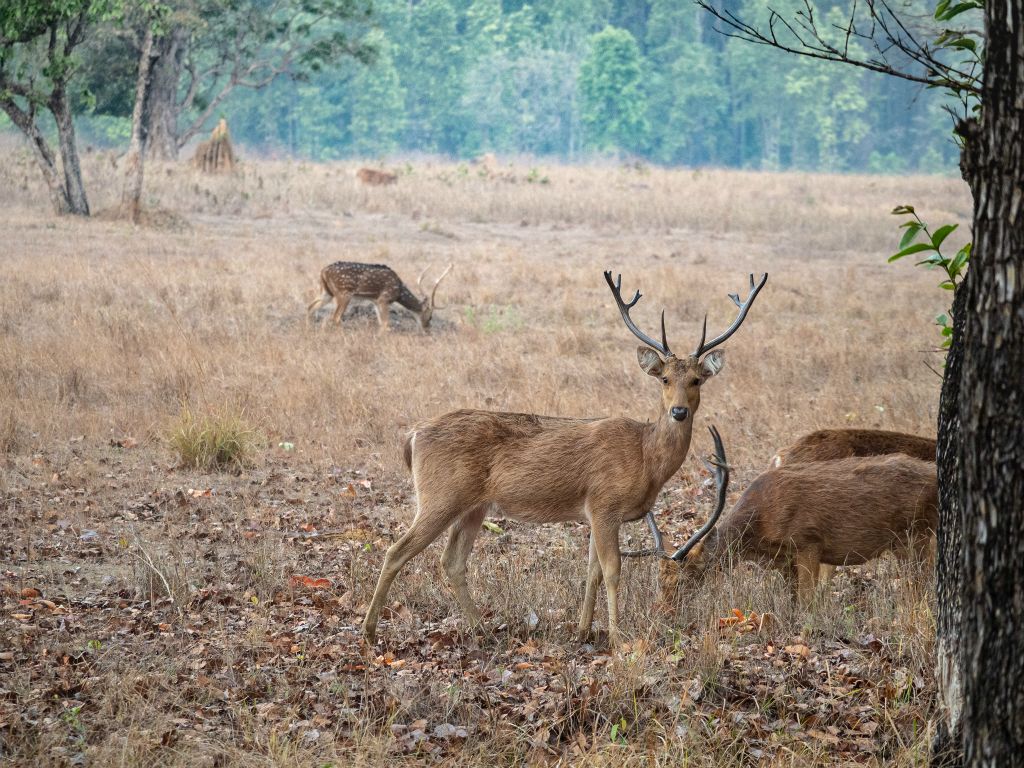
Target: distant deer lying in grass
374, 178
541, 469
342, 280
799, 516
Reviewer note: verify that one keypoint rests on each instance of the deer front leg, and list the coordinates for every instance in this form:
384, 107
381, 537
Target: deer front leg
806, 563
384, 313
456, 554
594, 578
607, 541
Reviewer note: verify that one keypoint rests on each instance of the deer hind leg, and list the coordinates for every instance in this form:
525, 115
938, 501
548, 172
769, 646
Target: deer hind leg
455, 556
594, 578
425, 528
340, 305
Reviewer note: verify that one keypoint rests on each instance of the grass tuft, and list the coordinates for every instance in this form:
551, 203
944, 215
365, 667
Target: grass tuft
216, 440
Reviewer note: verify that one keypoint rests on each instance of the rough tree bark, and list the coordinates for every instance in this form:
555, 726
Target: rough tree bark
162, 106
131, 194
60, 106
991, 413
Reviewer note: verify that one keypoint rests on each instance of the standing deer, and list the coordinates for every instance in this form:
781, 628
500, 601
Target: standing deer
344, 279
798, 517
540, 469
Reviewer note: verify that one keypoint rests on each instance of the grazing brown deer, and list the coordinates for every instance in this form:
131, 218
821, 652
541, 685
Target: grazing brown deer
375, 178
829, 444
344, 279
541, 469
799, 516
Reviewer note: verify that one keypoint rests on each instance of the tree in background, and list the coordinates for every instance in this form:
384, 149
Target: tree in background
612, 100
378, 103
38, 43
207, 49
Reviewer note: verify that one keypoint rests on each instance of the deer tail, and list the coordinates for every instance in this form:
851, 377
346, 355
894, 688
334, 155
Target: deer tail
407, 447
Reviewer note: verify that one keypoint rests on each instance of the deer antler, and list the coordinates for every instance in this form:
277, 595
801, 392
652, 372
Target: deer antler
722, 482
658, 548
434, 289
624, 308
744, 307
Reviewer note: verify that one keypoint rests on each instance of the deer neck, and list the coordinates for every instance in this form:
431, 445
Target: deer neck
409, 301
666, 444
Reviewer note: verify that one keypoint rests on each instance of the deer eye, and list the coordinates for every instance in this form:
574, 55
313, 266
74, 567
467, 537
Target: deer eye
695, 383
664, 379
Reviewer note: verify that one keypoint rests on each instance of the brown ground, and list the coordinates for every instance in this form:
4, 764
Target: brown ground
152, 614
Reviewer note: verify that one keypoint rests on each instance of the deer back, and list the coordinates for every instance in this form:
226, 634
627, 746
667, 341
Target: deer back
829, 444
535, 468
852, 510
370, 281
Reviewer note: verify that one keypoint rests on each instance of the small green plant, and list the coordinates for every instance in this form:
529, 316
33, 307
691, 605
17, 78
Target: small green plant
536, 177
212, 441
618, 732
953, 267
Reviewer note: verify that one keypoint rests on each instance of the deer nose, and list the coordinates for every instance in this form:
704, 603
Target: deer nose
679, 413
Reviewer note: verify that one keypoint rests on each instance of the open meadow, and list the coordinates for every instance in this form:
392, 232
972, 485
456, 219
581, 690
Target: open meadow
155, 613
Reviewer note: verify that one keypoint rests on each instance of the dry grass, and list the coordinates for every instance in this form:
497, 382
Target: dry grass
106, 330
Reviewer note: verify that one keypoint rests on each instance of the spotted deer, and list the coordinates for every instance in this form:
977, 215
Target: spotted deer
541, 469
343, 280
798, 517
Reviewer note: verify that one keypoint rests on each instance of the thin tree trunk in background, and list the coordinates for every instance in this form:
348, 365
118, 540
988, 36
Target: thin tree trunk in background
131, 194
59, 105
43, 155
991, 452
162, 111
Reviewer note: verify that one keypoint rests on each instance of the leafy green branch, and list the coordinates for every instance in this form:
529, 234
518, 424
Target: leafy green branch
919, 239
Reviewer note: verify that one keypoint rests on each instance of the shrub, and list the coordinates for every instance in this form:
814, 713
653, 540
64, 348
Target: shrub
213, 440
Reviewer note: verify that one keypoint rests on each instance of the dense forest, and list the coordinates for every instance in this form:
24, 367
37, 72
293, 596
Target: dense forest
573, 80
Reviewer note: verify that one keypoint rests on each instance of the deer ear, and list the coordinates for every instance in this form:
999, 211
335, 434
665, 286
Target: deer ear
712, 363
650, 361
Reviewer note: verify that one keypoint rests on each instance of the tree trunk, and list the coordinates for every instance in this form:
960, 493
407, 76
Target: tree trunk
945, 749
991, 453
42, 153
162, 106
131, 194
73, 186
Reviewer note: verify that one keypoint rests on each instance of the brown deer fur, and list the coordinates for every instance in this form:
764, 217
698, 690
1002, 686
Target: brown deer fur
828, 444
375, 178
841, 512
342, 280
541, 469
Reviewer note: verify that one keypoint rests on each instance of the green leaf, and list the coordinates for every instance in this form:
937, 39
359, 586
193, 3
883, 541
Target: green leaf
947, 330
899, 210
915, 248
493, 527
941, 234
942, 320
913, 227
947, 285
963, 43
